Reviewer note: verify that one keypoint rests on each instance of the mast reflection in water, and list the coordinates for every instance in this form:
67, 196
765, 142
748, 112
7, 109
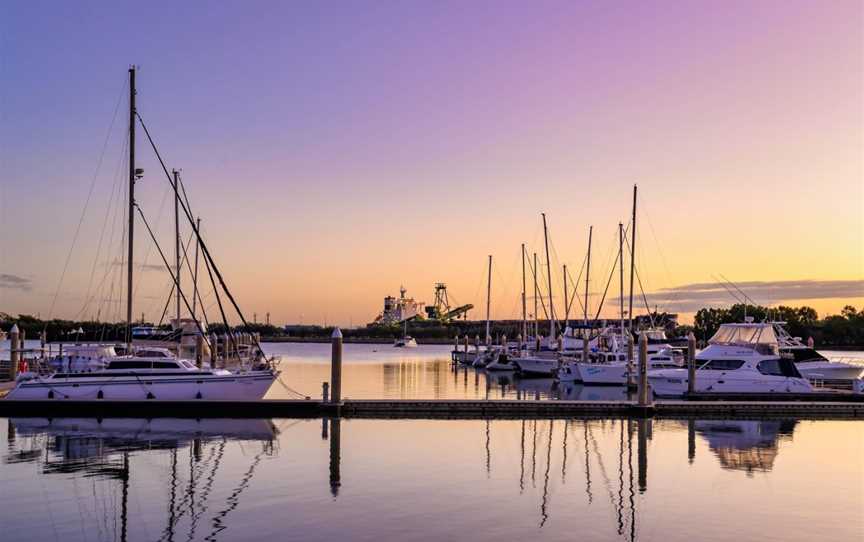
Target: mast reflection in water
314, 479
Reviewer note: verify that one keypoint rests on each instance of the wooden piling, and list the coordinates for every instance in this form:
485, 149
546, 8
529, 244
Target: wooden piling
644, 395
199, 350
14, 356
336, 367
691, 363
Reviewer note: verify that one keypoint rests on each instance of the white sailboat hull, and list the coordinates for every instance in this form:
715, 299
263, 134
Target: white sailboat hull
228, 387
537, 366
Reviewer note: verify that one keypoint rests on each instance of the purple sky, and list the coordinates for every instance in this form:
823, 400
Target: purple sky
410, 139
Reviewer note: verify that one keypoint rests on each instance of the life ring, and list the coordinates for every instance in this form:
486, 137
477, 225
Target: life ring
22, 366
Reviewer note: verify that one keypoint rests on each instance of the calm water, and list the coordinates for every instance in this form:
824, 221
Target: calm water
381, 371
78, 480
385, 372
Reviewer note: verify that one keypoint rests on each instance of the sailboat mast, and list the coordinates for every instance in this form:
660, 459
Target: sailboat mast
177, 243
621, 274
488, 300
632, 260
588, 271
195, 274
549, 280
524, 311
566, 301
131, 206
536, 296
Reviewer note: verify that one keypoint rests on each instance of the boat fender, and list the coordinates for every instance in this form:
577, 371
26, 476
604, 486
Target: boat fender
51, 394
198, 395
100, 395
150, 395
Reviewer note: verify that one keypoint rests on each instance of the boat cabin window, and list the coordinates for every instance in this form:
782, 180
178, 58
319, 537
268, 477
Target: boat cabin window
803, 355
151, 354
722, 365
142, 365
778, 367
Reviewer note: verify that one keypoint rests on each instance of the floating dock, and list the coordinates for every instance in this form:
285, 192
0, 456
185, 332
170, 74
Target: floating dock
851, 408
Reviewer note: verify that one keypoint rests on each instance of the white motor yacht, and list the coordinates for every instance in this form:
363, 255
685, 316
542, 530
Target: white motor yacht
812, 364
740, 358
613, 370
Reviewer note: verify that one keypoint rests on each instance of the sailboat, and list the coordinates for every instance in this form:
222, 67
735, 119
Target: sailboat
150, 373
406, 341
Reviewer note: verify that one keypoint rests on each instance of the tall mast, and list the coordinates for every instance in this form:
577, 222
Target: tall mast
177, 243
588, 271
195, 274
549, 280
621, 274
632, 260
536, 296
129, 262
488, 300
566, 301
524, 311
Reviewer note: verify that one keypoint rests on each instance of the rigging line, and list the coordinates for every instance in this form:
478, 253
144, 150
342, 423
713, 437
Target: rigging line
639, 282
173, 286
606, 290
538, 297
203, 246
168, 267
577, 283
87, 201
104, 227
146, 259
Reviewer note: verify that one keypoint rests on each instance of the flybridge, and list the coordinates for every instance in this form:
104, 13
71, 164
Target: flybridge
744, 335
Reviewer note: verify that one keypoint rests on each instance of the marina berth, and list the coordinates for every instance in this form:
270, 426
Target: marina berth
740, 358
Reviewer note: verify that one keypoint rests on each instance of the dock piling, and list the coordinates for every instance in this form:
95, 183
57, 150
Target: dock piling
336, 367
691, 363
644, 394
14, 356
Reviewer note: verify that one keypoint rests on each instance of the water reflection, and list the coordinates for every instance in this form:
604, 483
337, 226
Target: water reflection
746, 445
101, 449
207, 467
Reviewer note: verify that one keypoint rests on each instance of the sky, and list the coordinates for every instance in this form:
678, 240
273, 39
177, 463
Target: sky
337, 150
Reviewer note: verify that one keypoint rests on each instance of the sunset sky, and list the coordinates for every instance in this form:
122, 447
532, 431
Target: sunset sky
338, 150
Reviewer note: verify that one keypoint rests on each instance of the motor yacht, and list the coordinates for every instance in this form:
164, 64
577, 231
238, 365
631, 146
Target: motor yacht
740, 358
812, 364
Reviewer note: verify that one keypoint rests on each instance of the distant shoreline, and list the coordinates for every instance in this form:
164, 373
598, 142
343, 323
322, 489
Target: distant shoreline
360, 340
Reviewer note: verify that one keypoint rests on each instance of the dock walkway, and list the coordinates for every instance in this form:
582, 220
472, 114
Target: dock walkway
852, 408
